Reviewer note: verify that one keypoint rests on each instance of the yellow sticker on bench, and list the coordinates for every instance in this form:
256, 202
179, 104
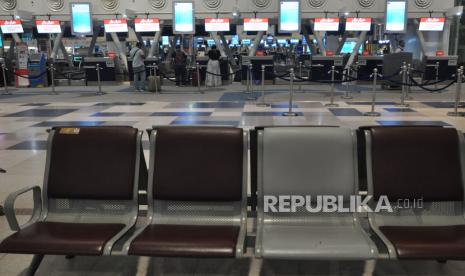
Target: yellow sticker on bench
70, 130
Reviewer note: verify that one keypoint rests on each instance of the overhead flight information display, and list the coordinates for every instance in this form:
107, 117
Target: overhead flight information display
358, 24
115, 25
255, 24
48, 26
81, 19
217, 24
184, 21
147, 25
432, 24
327, 24
11, 26
396, 16
289, 16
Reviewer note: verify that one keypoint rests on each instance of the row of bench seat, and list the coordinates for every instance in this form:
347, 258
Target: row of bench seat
196, 189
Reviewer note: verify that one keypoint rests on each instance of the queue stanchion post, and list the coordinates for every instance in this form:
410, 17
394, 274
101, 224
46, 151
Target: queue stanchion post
436, 68
52, 77
331, 103
5, 82
99, 82
403, 73
300, 75
409, 82
155, 67
347, 95
197, 67
263, 103
250, 86
290, 112
372, 112
458, 91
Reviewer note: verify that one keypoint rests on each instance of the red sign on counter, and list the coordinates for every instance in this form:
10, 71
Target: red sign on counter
217, 25
439, 53
326, 24
255, 24
358, 24
116, 25
432, 24
147, 25
48, 26
11, 26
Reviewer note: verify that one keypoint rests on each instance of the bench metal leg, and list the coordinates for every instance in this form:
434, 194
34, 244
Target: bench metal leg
369, 267
35, 263
255, 266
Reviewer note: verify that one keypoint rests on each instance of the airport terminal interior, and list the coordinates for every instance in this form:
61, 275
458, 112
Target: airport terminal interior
197, 137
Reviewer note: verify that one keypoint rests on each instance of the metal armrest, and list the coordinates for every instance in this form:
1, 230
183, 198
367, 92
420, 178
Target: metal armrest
10, 204
240, 245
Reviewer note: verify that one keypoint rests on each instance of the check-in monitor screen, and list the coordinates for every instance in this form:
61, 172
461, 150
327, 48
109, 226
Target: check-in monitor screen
396, 16
115, 25
147, 25
432, 24
289, 16
358, 24
184, 21
255, 24
246, 42
81, 19
326, 24
349, 46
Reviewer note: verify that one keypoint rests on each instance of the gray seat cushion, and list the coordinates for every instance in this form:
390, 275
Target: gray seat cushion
344, 242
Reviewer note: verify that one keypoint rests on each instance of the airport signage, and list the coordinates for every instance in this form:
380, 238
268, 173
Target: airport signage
396, 16
81, 19
432, 24
217, 24
183, 17
358, 24
48, 26
116, 25
255, 24
327, 24
147, 25
11, 26
289, 16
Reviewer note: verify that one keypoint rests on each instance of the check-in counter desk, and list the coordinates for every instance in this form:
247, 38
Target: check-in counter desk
224, 67
108, 68
321, 65
257, 63
440, 68
148, 67
366, 65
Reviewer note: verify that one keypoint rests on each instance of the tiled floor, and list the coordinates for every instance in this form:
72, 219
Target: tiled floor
25, 117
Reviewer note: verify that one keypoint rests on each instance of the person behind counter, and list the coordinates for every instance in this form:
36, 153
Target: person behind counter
138, 67
213, 67
180, 62
400, 46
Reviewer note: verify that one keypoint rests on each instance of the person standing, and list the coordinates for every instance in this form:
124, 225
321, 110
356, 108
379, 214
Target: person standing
213, 67
180, 61
400, 47
138, 67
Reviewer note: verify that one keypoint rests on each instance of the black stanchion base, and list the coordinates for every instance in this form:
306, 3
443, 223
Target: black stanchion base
372, 114
402, 105
456, 114
290, 114
263, 105
347, 97
331, 105
7, 93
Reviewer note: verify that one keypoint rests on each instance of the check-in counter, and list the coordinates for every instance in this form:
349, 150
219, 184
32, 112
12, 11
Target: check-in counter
108, 68
439, 68
321, 65
148, 66
366, 65
224, 67
257, 63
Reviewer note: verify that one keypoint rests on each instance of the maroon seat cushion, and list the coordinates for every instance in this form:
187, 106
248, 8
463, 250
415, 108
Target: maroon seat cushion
57, 238
416, 162
427, 242
186, 241
198, 164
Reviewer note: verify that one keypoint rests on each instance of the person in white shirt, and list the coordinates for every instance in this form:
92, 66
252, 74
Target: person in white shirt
400, 46
138, 67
